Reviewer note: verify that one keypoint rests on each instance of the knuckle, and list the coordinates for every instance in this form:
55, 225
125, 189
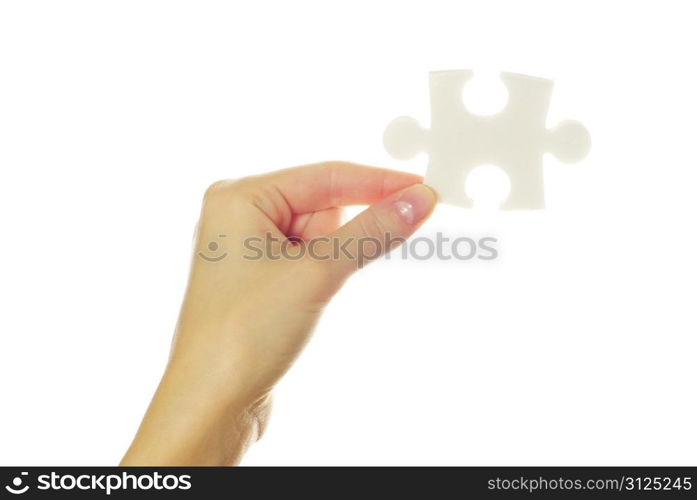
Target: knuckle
373, 226
220, 193
216, 189
226, 187
215, 197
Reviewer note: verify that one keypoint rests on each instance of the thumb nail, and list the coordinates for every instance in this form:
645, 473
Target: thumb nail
415, 203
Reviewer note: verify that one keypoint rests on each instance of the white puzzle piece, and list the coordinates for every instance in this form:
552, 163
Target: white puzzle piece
514, 139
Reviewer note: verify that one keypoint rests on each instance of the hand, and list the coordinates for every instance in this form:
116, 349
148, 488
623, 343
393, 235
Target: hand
247, 314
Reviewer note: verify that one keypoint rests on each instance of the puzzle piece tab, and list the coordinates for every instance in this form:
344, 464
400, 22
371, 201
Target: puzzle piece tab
514, 139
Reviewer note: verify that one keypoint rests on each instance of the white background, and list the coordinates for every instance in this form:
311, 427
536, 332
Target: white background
577, 346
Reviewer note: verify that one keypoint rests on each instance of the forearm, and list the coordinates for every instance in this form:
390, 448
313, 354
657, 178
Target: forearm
188, 425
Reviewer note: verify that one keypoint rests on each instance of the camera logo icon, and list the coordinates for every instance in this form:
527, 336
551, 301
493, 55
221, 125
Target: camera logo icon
16, 487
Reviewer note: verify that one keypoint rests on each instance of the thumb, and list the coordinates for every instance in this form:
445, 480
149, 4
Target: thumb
380, 228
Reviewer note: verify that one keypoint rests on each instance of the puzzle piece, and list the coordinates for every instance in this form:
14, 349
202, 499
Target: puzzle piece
514, 139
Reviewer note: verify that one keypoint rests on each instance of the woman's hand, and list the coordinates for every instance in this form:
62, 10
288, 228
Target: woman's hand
269, 254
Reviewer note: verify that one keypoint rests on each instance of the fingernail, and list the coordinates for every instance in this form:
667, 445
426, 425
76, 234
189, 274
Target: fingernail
415, 203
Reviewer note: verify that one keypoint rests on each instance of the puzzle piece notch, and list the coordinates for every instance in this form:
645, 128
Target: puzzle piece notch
515, 139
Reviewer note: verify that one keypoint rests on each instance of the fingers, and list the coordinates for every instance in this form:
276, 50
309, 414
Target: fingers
334, 184
378, 229
300, 201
